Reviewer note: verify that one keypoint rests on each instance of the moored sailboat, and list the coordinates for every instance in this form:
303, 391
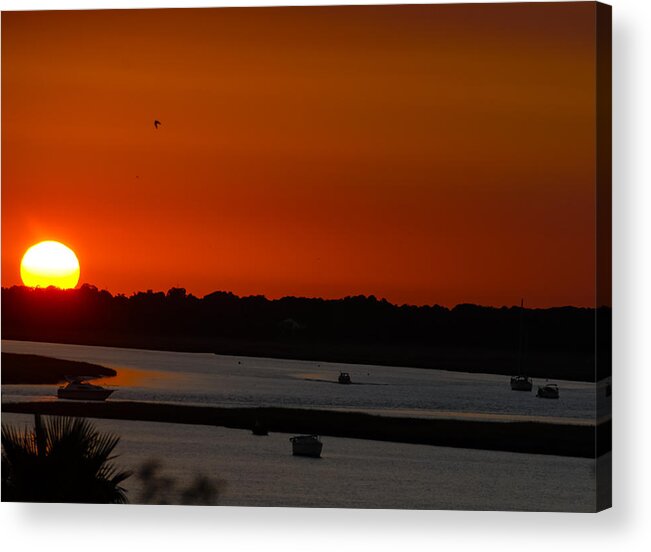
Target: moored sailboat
548, 391
521, 382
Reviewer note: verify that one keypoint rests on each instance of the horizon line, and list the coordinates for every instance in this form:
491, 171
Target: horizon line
369, 296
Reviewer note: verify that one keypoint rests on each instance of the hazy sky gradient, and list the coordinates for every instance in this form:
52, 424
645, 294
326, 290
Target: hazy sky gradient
426, 154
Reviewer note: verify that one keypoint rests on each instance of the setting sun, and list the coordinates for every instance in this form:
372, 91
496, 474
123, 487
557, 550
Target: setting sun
50, 263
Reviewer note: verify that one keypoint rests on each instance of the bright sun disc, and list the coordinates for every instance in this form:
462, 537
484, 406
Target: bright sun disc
50, 263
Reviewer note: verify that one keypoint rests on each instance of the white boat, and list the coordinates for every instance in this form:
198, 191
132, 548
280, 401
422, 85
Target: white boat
306, 445
548, 391
79, 389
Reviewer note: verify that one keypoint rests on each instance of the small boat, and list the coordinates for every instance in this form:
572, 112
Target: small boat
548, 391
259, 428
521, 383
306, 445
79, 389
344, 377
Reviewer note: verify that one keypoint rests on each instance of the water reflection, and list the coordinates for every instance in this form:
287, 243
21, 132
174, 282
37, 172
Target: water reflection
131, 377
208, 379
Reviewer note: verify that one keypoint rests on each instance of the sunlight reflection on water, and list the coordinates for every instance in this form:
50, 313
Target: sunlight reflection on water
208, 379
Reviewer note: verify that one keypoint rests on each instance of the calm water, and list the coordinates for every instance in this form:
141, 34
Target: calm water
208, 379
260, 471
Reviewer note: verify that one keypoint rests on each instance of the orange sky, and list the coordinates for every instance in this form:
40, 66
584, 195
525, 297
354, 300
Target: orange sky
426, 154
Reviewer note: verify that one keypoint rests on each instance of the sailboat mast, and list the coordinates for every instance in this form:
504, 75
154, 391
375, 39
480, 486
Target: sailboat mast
521, 345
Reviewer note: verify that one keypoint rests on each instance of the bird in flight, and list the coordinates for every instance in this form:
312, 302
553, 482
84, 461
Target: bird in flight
156, 124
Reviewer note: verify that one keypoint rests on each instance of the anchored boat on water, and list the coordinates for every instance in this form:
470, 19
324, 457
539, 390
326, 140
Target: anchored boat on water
259, 428
79, 389
548, 391
306, 445
521, 382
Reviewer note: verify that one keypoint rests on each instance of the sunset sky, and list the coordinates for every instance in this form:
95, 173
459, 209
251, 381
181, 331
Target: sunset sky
426, 154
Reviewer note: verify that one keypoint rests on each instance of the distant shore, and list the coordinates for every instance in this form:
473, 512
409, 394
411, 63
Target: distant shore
546, 343
524, 437
41, 370
569, 366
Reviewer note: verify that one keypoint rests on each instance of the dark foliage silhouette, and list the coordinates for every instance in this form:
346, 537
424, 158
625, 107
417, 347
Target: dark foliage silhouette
158, 488
353, 329
61, 460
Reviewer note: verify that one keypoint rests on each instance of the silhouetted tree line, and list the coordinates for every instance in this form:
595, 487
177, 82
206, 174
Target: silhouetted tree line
41, 314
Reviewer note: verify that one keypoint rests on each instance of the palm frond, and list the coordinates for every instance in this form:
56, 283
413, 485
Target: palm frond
61, 460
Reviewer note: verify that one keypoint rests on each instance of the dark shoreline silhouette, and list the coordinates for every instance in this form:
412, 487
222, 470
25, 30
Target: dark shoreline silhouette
41, 370
584, 441
560, 343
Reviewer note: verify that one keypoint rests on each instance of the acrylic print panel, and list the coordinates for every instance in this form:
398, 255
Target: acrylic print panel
352, 257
